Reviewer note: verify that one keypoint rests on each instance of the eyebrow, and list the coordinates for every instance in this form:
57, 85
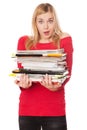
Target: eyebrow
43, 19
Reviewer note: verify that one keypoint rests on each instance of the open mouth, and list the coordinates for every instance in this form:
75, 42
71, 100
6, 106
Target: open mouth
46, 32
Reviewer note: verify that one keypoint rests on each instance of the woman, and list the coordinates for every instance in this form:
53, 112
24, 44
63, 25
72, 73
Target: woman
42, 104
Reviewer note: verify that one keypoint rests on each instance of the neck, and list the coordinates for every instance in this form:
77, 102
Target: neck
45, 40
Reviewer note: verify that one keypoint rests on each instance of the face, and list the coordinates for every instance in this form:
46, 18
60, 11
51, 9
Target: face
45, 24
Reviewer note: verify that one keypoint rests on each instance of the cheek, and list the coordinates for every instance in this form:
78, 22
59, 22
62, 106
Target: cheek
40, 29
52, 27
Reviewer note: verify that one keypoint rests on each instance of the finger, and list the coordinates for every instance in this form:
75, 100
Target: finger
50, 80
22, 78
30, 83
59, 84
16, 81
47, 79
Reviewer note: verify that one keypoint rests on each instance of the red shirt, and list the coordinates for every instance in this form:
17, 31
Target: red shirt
38, 100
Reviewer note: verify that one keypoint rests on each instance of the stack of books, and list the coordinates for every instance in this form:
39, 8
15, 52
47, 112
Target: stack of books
38, 63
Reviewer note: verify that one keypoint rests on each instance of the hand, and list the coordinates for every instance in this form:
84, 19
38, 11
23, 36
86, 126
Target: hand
47, 82
24, 81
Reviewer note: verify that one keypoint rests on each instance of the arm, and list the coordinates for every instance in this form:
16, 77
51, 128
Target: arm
24, 81
68, 47
21, 46
66, 43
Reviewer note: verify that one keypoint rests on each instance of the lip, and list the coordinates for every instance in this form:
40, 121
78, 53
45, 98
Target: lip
46, 32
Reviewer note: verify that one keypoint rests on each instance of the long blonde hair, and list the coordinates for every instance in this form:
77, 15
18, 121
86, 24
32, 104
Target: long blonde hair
41, 9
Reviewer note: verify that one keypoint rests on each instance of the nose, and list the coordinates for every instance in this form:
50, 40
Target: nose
46, 25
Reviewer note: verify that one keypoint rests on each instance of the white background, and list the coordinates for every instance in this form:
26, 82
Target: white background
15, 21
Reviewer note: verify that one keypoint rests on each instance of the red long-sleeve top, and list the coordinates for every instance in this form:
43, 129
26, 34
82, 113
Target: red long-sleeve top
38, 100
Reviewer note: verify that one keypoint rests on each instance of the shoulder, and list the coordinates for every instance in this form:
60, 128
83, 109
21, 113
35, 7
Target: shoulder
65, 35
22, 38
66, 41
21, 42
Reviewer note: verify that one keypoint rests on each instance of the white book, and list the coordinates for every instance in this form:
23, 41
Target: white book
38, 79
38, 68
40, 51
41, 59
41, 64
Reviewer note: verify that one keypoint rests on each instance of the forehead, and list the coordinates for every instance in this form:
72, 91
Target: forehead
44, 16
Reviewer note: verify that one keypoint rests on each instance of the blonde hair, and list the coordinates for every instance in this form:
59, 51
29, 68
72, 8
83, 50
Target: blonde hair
41, 9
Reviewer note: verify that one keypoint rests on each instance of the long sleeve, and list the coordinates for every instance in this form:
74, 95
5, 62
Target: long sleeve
21, 46
66, 43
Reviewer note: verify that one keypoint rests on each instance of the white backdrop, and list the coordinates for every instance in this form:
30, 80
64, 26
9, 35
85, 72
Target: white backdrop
15, 21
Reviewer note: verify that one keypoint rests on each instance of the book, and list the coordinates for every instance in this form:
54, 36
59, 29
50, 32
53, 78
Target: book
52, 53
40, 51
29, 71
38, 77
38, 63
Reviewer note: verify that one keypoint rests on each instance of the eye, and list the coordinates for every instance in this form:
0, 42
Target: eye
51, 21
40, 21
